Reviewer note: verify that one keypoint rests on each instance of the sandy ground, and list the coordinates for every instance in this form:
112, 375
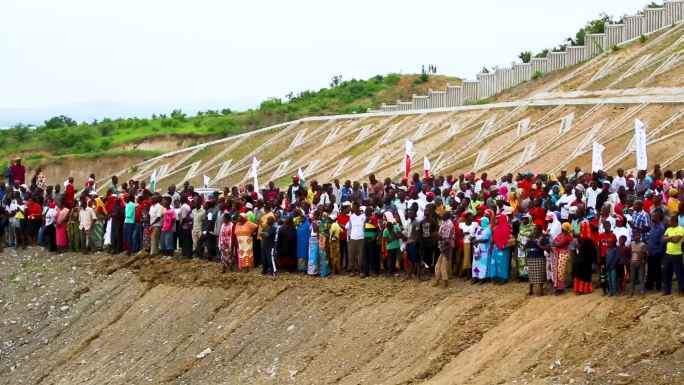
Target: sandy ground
73, 319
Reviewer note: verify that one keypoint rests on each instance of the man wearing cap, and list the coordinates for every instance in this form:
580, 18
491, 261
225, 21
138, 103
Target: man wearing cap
18, 171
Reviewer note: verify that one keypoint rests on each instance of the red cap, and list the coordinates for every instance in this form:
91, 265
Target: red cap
481, 207
430, 194
658, 183
295, 178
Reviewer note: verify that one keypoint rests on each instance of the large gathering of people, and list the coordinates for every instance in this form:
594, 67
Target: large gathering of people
621, 234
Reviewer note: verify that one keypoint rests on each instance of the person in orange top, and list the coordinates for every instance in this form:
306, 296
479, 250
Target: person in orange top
243, 231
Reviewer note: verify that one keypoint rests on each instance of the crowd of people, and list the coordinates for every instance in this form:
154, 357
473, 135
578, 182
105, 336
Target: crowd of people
621, 234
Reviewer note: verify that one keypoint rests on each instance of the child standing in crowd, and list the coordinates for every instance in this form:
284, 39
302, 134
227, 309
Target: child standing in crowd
606, 241
623, 254
611, 265
637, 264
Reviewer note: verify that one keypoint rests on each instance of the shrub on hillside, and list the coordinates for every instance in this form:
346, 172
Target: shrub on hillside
422, 78
536, 75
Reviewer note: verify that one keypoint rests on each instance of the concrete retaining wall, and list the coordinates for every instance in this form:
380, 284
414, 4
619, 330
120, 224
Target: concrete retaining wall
540, 65
490, 84
420, 102
454, 96
557, 61
634, 27
523, 72
596, 43
674, 13
575, 55
436, 99
471, 91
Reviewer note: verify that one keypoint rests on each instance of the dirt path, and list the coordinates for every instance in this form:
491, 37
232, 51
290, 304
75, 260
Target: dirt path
99, 320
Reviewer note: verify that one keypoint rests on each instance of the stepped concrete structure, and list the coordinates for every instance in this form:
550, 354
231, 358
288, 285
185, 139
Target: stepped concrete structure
587, 93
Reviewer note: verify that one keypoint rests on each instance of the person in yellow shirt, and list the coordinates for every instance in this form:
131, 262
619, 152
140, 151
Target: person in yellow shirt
673, 202
672, 263
335, 233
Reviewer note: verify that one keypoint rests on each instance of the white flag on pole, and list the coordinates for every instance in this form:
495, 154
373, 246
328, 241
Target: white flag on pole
255, 172
597, 157
206, 181
153, 181
408, 146
426, 166
640, 144
300, 174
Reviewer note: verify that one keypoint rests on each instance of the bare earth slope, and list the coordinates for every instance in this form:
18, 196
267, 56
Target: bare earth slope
73, 319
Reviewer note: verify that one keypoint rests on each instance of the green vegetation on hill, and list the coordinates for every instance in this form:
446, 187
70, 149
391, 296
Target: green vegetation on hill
62, 135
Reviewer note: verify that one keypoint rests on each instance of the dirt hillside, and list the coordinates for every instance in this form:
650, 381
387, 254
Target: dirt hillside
73, 319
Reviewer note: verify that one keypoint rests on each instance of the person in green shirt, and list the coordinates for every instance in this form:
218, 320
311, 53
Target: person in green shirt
391, 233
672, 263
129, 223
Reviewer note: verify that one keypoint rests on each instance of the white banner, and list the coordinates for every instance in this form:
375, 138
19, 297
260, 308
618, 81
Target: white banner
255, 173
597, 157
640, 144
206, 181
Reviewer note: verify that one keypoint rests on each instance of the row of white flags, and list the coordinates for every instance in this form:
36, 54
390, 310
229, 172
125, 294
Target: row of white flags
596, 161
408, 153
639, 144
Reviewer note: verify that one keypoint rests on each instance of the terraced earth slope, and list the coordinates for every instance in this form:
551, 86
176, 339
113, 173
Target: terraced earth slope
71, 319
544, 125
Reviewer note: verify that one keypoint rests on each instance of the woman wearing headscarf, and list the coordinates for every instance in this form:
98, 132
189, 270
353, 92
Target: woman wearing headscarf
560, 256
513, 198
303, 234
243, 231
553, 229
324, 244
312, 267
526, 229
286, 246
482, 250
61, 221
98, 226
537, 245
226, 243
586, 255
501, 255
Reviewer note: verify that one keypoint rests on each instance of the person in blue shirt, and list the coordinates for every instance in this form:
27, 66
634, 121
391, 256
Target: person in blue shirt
655, 250
346, 192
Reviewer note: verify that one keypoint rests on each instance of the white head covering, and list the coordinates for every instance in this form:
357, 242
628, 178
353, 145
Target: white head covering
389, 217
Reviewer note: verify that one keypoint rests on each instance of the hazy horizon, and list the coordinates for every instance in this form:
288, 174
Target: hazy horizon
91, 60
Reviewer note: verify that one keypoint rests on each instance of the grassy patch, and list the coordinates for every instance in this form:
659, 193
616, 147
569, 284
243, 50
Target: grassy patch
61, 136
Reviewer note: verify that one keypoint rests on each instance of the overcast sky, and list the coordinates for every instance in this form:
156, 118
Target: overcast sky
90, 59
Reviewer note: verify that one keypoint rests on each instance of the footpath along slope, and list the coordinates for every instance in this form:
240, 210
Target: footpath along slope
99, 320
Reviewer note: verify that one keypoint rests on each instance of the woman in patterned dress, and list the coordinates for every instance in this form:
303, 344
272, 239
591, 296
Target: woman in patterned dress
226, 243
312, 266
243, 231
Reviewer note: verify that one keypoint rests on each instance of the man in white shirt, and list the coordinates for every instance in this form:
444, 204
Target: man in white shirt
564, 202
591, 194
618, 180
355, 240
86, 218
155, 223
337, 191
49, 229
